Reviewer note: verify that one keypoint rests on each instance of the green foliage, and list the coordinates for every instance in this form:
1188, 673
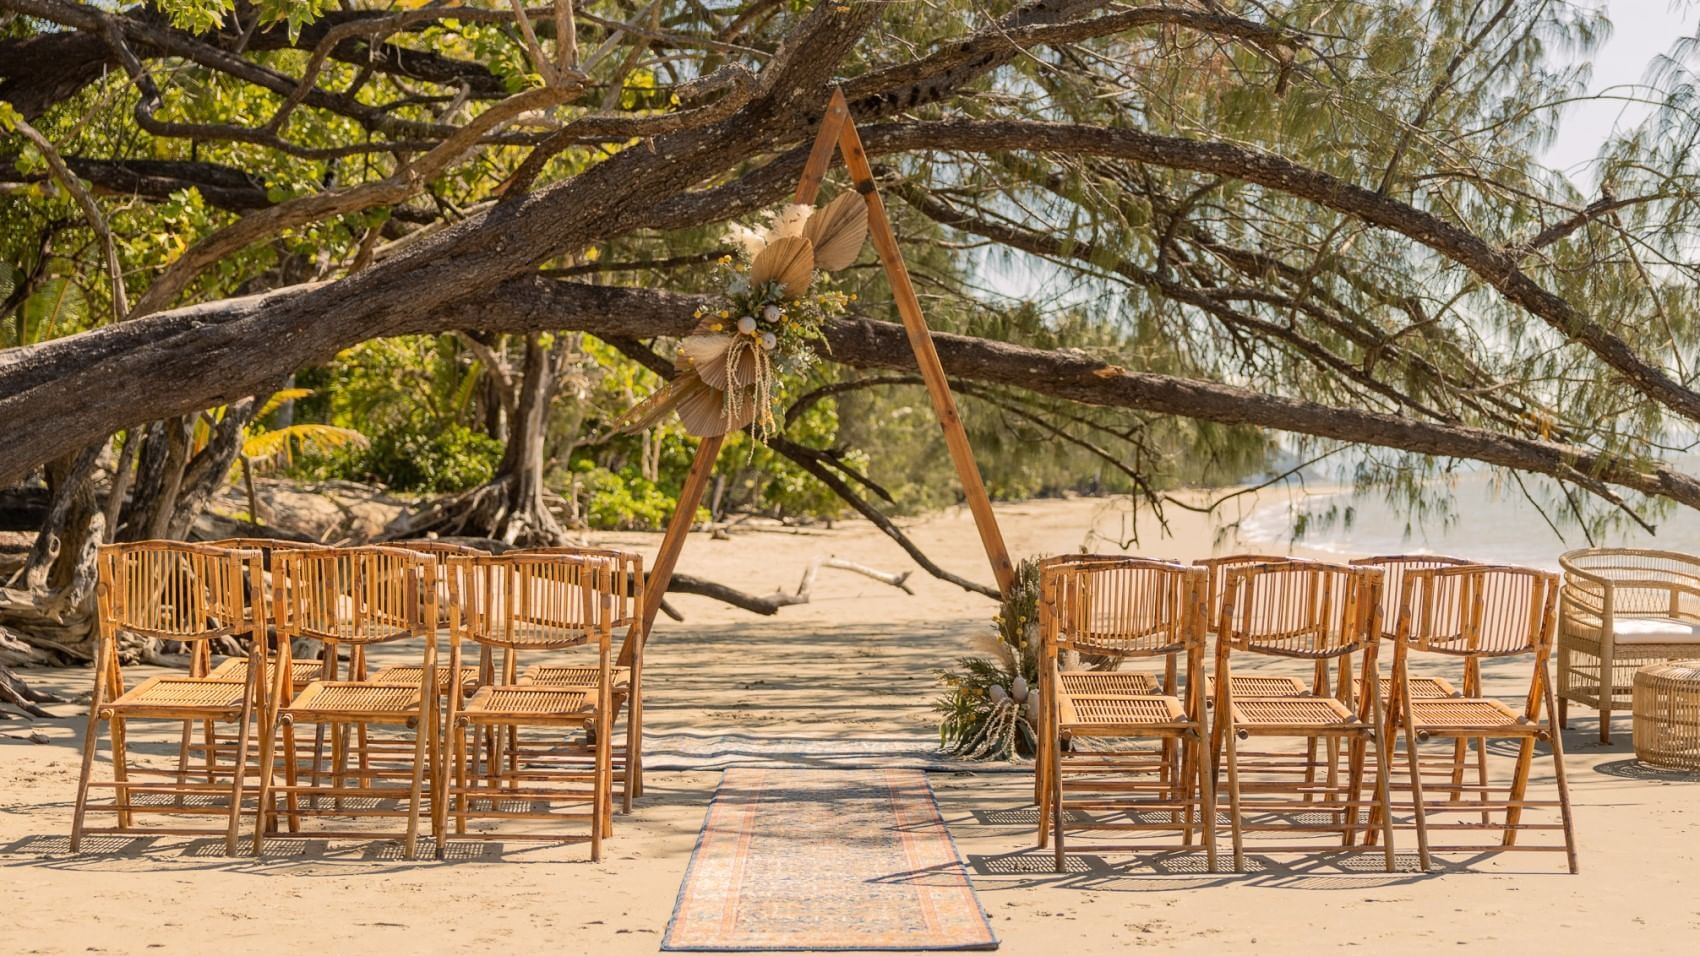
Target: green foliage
452, 458
620, 500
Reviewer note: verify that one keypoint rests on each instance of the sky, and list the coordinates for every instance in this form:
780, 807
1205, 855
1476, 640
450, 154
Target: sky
1641, 31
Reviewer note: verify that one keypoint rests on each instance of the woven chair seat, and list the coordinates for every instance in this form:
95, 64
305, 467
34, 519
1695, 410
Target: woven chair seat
573, 675
1459, 714
410, 674
1117, 683
1250, 685
356, 700
1422, 688
301, 673
181, 695
1110, 711
529, 704
1296, 712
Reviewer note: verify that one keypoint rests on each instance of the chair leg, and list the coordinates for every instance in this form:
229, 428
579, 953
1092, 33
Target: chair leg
1042, 787
1563, 789
1207, 800
628, 773
634, 750
365, 763
1421, 820
1056, 792
265, 810
183, 758
1564, 713
239, 773
318, 756
1384, 797
1519, 788
291, 773
121, 772
209, 736
1482, 774
1608, 693
1355, 781
91, 740
1188, 777
1230, 739
598, 800
421, 732
460, 777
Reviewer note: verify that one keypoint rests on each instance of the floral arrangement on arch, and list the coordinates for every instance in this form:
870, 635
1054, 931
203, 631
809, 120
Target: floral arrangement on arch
767, 322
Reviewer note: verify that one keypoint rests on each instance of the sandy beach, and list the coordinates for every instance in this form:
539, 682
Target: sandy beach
855, 662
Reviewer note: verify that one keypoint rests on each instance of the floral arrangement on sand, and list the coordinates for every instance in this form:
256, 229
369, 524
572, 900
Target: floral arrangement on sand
767, 322
991, 708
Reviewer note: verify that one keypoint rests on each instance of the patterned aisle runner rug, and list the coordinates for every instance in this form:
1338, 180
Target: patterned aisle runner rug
825, 860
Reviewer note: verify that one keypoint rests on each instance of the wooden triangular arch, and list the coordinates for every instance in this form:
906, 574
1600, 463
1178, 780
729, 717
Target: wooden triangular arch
838, 135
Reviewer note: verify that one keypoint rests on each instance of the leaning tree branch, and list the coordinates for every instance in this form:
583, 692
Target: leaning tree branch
1498, 267
178, 348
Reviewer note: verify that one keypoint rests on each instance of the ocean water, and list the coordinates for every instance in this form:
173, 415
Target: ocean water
1480, 516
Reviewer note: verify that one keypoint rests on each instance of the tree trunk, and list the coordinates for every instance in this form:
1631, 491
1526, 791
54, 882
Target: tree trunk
509, 508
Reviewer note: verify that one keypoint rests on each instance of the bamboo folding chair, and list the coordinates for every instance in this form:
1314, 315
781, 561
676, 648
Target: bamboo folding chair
236, 668
440, 552
519, 602
1307, 611
1084, 674
629, 586
1259, 685
1393, 569
1475, 612
355, 597
1125, 608
193, 594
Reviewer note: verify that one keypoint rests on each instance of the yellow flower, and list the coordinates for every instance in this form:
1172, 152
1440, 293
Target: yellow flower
716, 327
725, 314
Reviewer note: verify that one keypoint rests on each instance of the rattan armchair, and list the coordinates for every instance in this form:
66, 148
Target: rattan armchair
1478, 612
1622, 608
354, 597
195, 594
1126, 608
529, 602
1306, 611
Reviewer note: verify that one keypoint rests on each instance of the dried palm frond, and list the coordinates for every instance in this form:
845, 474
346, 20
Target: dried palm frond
837, 231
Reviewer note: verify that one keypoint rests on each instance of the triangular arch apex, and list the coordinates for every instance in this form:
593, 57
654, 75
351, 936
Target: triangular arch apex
837, 136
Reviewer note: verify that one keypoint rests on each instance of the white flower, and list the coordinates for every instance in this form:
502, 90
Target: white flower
771, 313
789, 220
751, 241
769, 341
747, 324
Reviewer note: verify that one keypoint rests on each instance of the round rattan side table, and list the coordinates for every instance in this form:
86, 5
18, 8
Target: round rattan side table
1667, 715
